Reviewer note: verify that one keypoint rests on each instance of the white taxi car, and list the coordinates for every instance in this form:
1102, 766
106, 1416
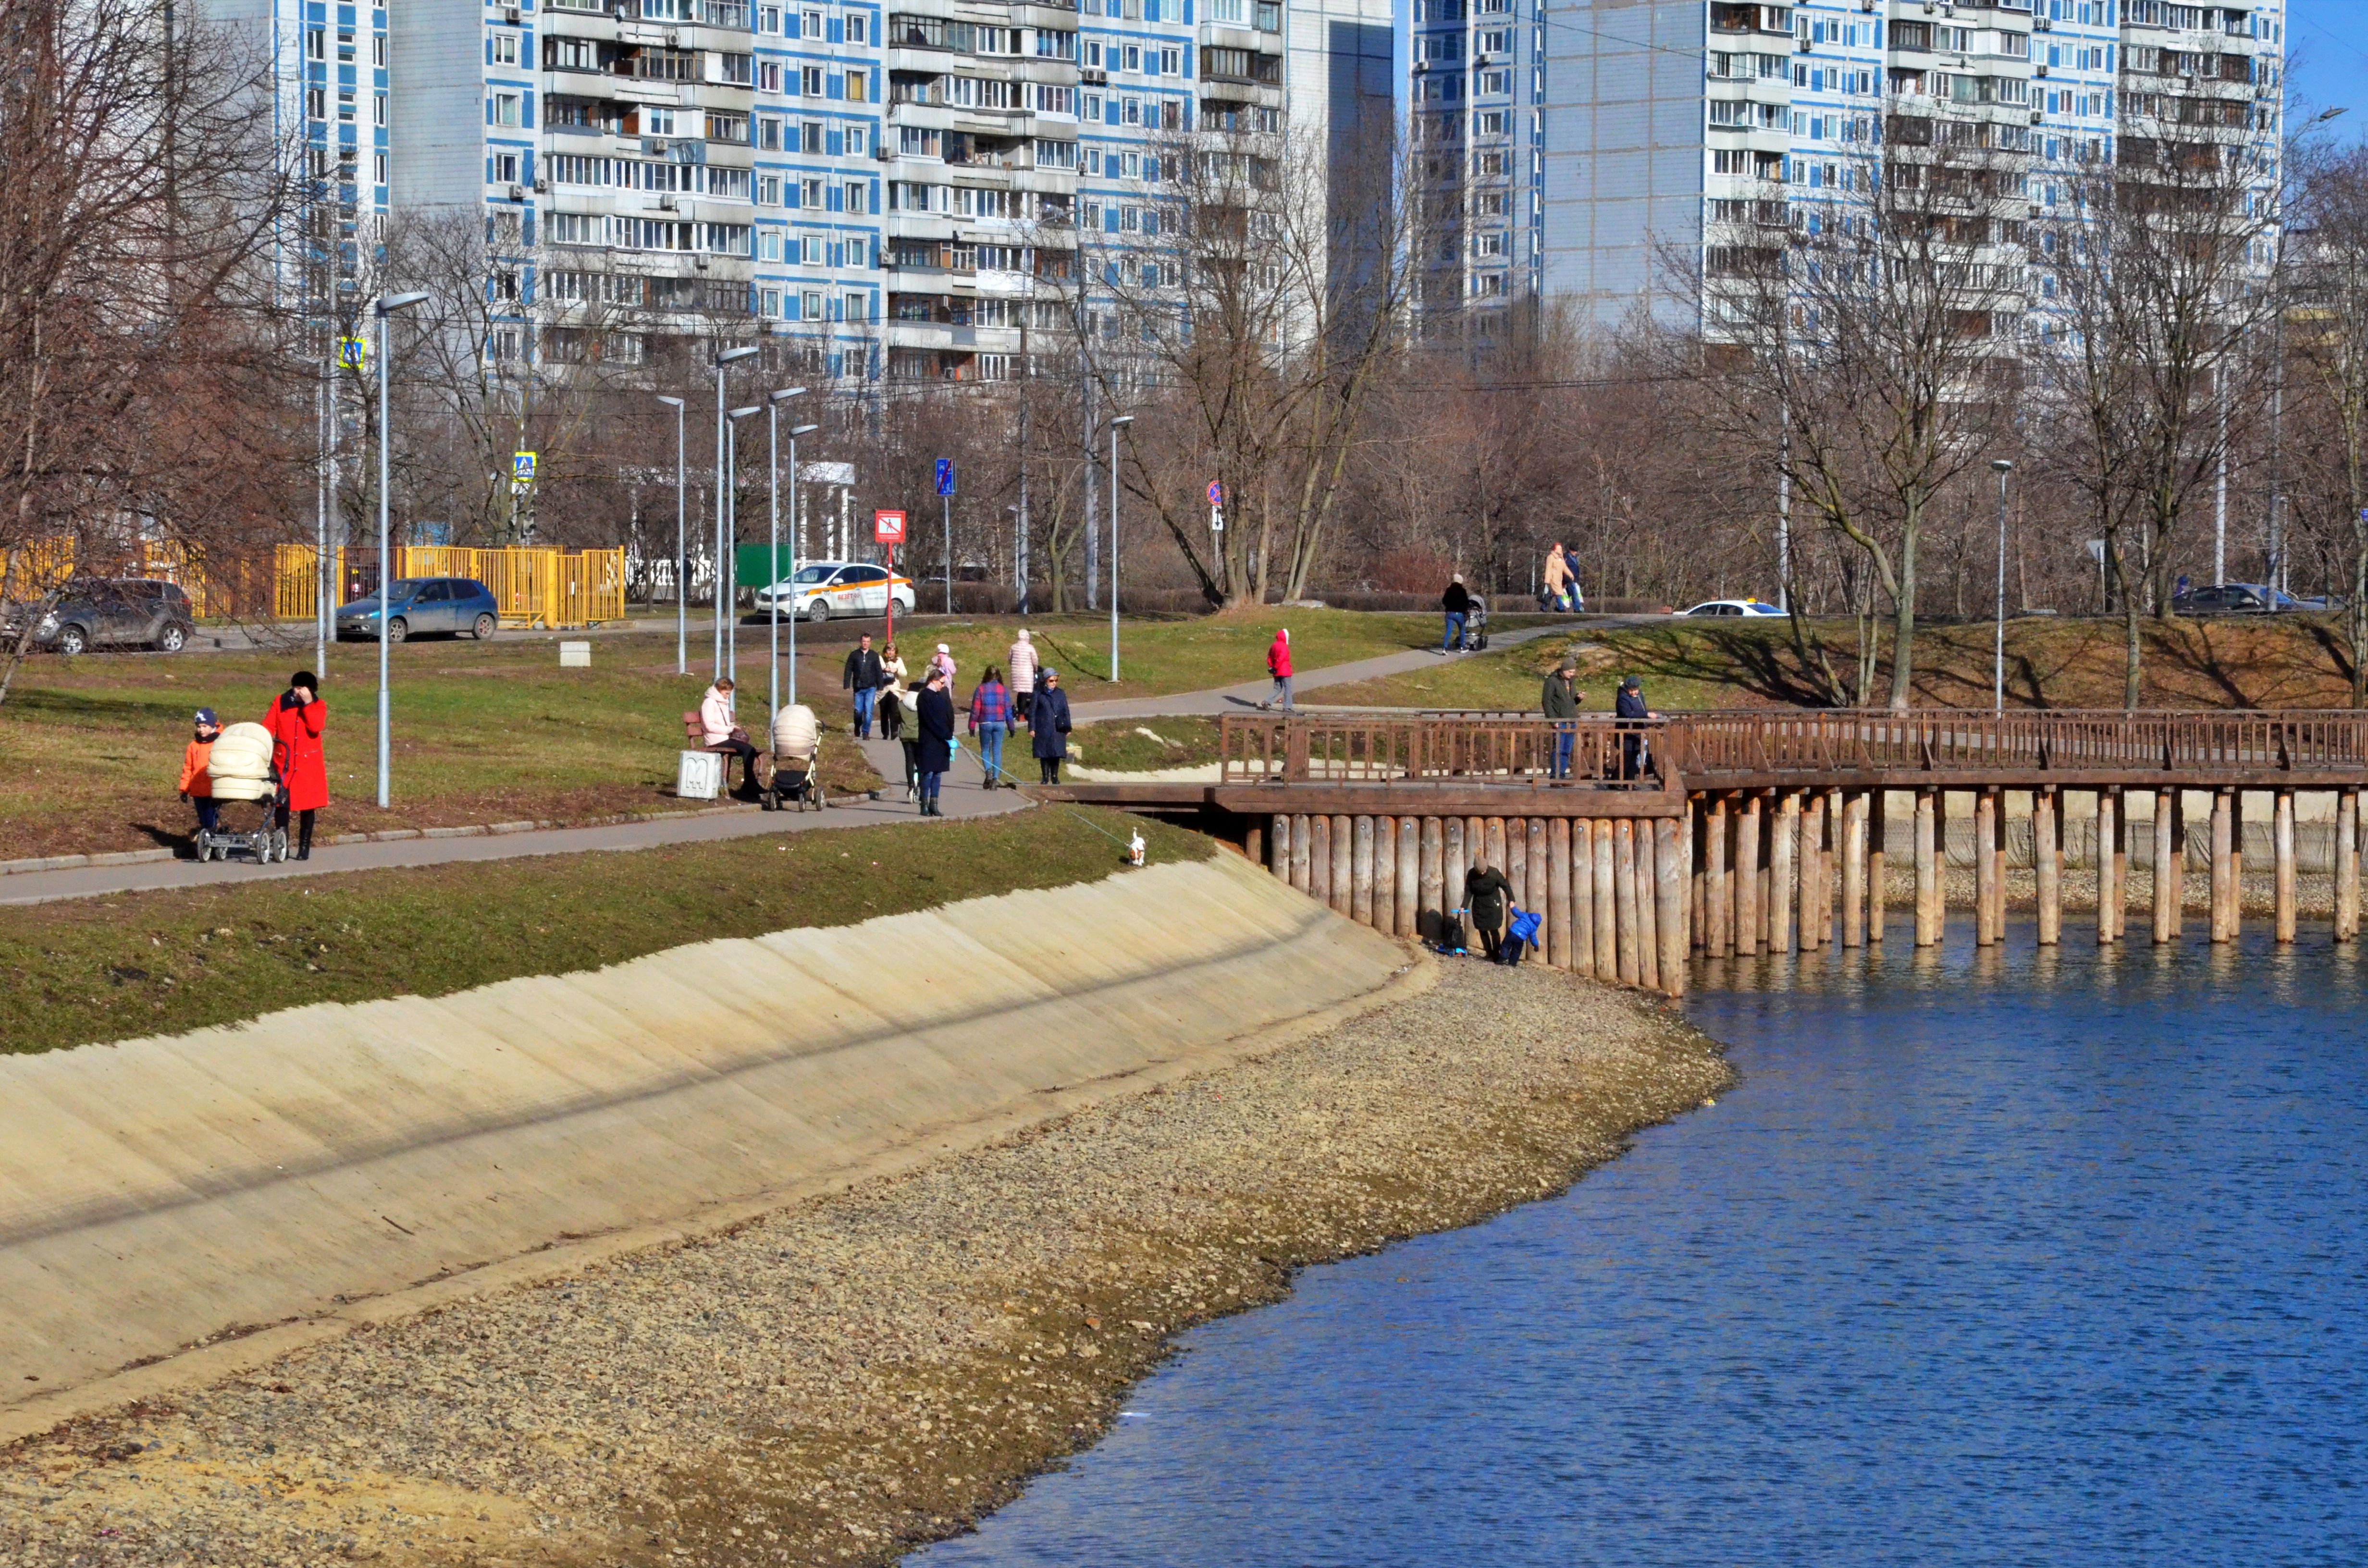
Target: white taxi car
1733, 607
821, 589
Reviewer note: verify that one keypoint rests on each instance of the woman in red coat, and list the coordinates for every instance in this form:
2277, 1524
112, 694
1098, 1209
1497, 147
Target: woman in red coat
295, 721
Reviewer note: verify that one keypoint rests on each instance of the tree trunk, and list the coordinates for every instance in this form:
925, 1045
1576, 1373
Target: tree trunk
1903, 634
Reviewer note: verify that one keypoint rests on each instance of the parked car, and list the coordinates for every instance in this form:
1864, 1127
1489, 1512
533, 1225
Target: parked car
821, 589
1731, 607
138, 612
2241, 598
448, 606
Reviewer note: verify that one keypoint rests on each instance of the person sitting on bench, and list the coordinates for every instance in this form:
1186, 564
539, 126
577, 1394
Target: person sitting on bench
723, 733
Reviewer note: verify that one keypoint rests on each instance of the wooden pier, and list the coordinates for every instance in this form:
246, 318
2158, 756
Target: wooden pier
1739, 834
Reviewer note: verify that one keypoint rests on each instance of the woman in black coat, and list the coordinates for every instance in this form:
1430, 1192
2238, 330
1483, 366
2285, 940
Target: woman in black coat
1048, 727
933, 713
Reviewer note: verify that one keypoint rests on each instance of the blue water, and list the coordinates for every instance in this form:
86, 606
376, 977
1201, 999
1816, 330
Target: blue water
2002, 1259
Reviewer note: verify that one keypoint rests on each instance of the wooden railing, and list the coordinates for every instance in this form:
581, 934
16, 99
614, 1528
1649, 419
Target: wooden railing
1701, 748
1435, 749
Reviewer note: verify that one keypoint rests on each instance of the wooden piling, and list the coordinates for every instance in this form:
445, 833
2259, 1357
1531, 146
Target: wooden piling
1456, 862
1535, 852
1303, 853
1624, 889
1319, 858
1698, 873
1253, 842
1582, 897
2347, 865
1986, 869
1813, 870
1853, 877
1606, 903
1476, 845
1557, 933
1783, 871
2237, 864
2109, 869
1648, 906
2047, 863
1344, 849
2166, 871
2282, 844
1386, 875
1435, 898
2121, 864
1997, 850
1673, 861
1718, 889
1277, 847
1878, 864
1748, 925
2223, 923
1927, 874
2178, 862
1360, 870
1409, 906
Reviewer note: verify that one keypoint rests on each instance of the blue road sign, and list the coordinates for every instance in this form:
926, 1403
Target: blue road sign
945, 476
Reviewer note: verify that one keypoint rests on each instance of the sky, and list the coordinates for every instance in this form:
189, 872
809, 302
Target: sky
2328, 41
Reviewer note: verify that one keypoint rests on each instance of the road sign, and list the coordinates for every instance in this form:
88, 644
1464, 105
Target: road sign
945, 476
522, 467
353, 353
1216, 519
1216, 494
888, 528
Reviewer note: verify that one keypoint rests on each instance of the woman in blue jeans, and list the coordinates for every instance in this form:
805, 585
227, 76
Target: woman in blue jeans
990, 721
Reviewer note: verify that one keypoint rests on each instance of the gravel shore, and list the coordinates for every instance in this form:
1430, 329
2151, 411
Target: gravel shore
855, 1375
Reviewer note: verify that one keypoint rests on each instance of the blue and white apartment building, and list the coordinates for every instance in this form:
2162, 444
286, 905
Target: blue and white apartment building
894, 187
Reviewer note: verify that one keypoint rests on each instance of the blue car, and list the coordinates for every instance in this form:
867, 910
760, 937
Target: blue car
445, 606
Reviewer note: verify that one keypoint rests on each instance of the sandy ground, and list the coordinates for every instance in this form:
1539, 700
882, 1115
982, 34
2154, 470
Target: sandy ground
858, 1374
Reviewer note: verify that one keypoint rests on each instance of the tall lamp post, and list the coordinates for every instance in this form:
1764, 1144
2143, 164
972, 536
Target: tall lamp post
1122, 419
732, 527
796, 534
2002, 468
773, 560
724, 360
387, 305
681, 549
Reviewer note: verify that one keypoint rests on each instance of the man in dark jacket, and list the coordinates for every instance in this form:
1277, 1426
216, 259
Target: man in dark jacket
1486, 896
1630, 705
1457, 603
933, 716
1048, 726
862, 675
1559, 702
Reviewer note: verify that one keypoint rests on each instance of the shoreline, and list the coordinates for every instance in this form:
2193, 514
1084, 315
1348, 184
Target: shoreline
850, 1378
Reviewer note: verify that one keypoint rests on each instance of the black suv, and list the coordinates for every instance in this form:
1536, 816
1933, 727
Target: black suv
124, 611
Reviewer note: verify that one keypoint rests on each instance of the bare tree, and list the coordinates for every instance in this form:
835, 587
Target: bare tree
2330, 327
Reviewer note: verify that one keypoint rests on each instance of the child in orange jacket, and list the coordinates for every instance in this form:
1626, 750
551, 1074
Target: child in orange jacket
197, 784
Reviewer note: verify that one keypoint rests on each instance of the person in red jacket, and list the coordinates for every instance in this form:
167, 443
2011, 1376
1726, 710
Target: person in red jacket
295, 721
1278, 664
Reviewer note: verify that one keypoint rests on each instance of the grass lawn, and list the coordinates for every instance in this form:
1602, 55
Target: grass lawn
135, 964
90, 748
2291, 661
1139, 745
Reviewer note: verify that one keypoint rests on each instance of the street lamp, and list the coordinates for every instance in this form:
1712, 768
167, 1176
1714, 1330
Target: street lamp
2002, 468
387, 305
723, 360
681, 549
1122, 419
773, 561
732, 527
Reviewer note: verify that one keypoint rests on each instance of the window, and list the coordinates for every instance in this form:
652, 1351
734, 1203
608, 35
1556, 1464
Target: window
378, 51
810, 249
316, 103
657, 122
504, 49
858, 309
812, 25
1171, 62
859, 84
810, 81
378, 109
859, 195
316, 44
810, 305
506, 168
506, 109
1134, 58
810, 194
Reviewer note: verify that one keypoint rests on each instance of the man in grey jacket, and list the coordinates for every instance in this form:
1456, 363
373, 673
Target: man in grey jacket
1559, 701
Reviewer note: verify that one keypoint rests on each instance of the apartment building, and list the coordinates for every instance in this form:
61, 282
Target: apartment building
1475, 96
1681, 123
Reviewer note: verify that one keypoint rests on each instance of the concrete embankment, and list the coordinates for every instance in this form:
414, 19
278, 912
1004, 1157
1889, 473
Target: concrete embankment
836, 1380
273, 1184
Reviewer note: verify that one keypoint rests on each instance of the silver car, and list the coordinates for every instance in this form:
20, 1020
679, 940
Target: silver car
416, 605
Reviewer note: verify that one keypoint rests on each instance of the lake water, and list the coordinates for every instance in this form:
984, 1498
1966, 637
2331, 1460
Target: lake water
2013, 1258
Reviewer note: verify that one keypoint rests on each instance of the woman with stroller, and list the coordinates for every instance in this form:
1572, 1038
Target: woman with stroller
296, 720
1048, 726
933, 722
990, 721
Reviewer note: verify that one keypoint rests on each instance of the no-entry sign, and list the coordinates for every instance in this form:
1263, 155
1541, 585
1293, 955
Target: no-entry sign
888, 528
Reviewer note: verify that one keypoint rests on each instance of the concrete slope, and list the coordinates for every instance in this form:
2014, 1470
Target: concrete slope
161, 1191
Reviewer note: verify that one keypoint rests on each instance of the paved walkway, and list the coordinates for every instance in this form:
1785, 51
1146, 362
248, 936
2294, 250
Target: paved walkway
961, 798
1249, 694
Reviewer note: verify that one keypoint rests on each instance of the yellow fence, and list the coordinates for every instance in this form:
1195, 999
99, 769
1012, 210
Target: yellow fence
550, 589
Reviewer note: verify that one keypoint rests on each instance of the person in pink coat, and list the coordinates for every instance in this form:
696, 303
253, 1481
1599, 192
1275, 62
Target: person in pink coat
1278, 664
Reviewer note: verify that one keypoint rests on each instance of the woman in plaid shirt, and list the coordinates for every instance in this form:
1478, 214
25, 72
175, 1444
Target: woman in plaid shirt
990, 721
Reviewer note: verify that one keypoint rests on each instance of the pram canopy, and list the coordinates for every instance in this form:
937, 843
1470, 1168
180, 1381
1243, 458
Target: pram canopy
239, 768
797, 733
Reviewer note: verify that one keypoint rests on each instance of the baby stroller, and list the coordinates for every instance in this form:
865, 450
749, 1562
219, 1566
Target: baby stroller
796, 754
1475, 626
247, 793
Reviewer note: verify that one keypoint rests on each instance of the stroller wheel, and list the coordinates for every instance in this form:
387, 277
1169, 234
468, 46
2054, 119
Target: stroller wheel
279, 845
